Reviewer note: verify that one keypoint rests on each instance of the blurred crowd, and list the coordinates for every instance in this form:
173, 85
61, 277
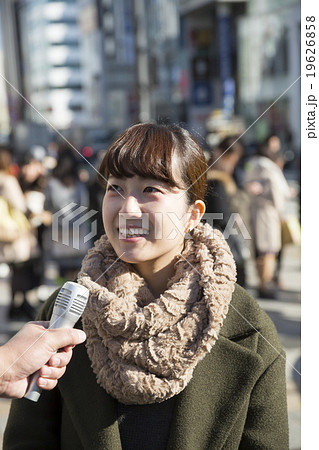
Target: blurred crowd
246, 199
33, 189
253, 196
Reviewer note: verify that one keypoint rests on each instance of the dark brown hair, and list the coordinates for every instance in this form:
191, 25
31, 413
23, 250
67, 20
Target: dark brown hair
166, 152
228, 146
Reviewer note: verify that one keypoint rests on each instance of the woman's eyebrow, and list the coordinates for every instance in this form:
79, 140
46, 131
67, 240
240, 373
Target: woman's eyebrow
113, 177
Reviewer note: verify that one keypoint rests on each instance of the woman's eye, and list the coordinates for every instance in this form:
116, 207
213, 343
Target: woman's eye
151, 189
113, 187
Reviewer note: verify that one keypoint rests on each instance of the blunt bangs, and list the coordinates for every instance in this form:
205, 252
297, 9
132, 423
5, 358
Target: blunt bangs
167, 153
145, 150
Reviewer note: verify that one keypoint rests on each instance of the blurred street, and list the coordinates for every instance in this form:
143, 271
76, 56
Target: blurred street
284, 311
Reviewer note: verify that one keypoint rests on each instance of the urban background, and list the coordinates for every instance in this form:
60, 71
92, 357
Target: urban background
75, 73
93, 67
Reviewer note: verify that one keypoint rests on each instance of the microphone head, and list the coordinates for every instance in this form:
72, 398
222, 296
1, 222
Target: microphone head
69, 304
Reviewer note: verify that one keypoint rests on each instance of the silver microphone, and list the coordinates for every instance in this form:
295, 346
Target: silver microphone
68, 308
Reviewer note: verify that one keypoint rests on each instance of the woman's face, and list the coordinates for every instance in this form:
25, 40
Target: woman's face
145, 220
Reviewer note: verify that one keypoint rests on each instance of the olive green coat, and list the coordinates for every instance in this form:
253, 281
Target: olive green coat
235, 400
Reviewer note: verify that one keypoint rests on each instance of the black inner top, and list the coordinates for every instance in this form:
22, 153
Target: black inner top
145, 427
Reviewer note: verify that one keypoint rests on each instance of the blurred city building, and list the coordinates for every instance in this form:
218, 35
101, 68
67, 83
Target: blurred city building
43, 64
93, 67
52, 75
268, 64
108, 64
240, 58
209, 33
10, 68
4, 111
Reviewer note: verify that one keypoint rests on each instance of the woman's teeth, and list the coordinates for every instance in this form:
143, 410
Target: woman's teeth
133, 232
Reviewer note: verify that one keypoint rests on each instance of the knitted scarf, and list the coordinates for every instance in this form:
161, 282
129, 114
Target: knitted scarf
144, 349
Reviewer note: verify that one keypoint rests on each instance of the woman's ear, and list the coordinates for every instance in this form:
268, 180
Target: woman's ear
197, 211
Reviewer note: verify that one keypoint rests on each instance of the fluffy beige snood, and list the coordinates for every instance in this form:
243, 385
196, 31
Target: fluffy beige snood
144, 350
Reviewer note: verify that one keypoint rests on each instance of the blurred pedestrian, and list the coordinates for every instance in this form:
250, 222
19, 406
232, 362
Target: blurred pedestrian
177, 355
224, 197
28, 275
33, 179
96, 194
272, 146
65, 190
22, 249
269, 190
279, 159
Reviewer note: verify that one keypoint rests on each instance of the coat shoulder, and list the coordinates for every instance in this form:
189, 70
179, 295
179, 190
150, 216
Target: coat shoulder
248, 328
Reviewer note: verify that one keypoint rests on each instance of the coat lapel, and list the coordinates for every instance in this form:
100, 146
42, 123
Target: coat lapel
206, 410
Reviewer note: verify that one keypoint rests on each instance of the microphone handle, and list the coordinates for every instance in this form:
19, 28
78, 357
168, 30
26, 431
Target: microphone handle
34, 391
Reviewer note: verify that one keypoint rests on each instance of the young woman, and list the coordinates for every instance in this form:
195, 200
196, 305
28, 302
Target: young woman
177, 356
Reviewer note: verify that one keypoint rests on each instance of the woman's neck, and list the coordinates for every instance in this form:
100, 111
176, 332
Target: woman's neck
156, 278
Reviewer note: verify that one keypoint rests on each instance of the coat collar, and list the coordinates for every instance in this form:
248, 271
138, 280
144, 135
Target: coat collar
208, 407
237, 324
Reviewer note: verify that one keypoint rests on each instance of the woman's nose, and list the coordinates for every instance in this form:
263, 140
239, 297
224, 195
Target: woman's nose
131, 206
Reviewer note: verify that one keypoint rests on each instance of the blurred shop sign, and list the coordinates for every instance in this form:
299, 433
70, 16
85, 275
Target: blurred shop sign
186, 6
229, 89
88, 19
202, 93
201, 38
117, 100
201, 68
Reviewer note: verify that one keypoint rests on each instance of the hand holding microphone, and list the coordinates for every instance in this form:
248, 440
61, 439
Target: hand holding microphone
33, 348
68, 308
